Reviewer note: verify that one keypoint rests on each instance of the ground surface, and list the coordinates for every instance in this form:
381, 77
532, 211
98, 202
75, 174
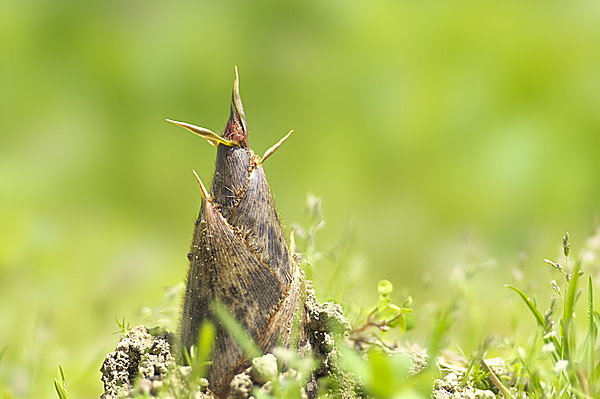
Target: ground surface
144, 364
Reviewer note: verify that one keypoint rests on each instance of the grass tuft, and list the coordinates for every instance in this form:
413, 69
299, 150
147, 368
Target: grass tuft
574, 371
60, 384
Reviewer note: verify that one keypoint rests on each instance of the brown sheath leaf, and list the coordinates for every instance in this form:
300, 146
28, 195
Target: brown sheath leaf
239, 257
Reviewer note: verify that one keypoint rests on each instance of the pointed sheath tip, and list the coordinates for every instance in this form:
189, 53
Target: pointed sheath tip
188, 126
203, 192
274, 148
236, 98
210, 136
236, 129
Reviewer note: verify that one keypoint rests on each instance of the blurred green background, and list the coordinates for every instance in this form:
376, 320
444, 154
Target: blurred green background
443, 138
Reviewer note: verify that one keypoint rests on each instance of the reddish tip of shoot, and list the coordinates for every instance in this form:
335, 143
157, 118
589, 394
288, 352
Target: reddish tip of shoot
236, 129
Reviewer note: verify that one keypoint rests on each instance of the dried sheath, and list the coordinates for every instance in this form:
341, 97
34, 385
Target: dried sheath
239, 256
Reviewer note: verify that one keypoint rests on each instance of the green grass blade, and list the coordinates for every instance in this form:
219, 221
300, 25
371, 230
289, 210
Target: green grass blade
61, 386
203, 349
496, 381
187, 359
3, 352
568, 341
537, 315
592, 333
568, 310
62, 374
444, 321
60, 390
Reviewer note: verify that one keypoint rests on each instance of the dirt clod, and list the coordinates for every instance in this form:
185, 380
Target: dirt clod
264, 368
240, 387
138, 356
450, 387
143, 364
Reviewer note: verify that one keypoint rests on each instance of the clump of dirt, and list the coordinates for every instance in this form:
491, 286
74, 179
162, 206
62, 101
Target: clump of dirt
143, 363
314, 367
138, 357
263, 375
451, 387
326, 324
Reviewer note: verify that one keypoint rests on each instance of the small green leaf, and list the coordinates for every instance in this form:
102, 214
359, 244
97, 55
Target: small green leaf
390, 312
383, 302
384, 287
401, 321
410, 321
398, 322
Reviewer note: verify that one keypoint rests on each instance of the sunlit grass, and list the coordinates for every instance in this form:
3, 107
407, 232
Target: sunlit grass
558, 360
432, 125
